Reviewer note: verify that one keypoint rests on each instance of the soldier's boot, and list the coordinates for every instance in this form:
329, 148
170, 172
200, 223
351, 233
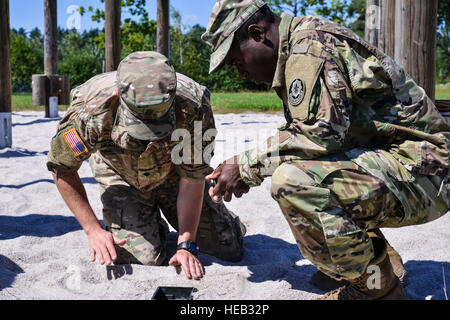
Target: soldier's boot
221, 234
380, 283
394, 257
324, 282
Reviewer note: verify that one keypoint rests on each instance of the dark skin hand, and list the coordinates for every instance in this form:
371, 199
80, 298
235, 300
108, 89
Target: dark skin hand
228, 181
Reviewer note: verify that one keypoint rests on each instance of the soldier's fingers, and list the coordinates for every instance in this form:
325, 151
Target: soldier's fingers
99, 256
194, 268
92, 253
211, 192
199, 268
174, 261
186, 270
238, 194
119, 241
105, 256
215, 174
228, 196
112, 250
219, 188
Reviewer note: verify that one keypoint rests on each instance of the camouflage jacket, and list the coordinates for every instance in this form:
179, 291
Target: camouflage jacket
143, 165
341, 94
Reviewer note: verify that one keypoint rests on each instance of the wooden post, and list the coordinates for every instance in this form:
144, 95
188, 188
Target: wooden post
415, 48
51, 37
373, 22
380, 25
112, 34
5, 77
163, 27
406, 31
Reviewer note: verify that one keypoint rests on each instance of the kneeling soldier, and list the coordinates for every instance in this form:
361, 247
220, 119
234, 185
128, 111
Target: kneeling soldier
123, 121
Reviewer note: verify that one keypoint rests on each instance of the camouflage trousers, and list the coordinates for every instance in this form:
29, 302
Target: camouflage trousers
331, 203
136, 217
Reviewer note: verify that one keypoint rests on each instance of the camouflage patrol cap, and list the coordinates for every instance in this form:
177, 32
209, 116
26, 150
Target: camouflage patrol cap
226, 18
147, 84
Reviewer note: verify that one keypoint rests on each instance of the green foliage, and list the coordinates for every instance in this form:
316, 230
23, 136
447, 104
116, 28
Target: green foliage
79, 57
27, 56
81, 54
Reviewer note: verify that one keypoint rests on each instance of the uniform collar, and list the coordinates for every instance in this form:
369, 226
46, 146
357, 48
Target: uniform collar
283, 51
288, 26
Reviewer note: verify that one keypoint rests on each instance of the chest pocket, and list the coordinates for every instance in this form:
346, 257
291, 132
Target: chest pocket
302, 74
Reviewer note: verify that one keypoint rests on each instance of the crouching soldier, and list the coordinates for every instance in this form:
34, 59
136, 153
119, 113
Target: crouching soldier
124, 122
363, 147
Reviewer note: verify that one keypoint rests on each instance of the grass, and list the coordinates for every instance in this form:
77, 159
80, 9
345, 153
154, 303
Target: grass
246, 102
443, 92
24, 102
222, 102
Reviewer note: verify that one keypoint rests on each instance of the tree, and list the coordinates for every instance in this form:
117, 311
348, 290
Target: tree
294, 7
27, 56
79, 56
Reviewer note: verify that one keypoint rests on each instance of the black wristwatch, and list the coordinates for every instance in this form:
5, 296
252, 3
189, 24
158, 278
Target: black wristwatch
189, 246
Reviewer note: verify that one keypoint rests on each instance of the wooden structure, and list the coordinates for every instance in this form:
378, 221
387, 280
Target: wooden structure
5, 77
50, 84
406, 31
112, 34
50, 37
162, 42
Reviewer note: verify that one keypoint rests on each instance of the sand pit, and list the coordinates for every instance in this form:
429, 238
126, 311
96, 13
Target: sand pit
44, 252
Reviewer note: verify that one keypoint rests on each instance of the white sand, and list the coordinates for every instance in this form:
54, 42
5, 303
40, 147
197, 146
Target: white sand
44, 253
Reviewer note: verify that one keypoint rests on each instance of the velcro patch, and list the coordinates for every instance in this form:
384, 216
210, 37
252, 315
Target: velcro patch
302, 74
75, 143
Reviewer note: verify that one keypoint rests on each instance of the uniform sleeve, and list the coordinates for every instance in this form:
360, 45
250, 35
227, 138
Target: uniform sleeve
318, 97
73, 143
202, 143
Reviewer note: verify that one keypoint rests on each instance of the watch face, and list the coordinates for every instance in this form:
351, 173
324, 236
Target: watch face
193, 247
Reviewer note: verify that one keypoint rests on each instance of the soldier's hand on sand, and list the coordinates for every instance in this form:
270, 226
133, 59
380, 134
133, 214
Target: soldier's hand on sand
191, 266
229, 181
101, 246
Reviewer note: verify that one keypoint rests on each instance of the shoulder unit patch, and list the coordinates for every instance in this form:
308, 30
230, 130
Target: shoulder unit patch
297, 92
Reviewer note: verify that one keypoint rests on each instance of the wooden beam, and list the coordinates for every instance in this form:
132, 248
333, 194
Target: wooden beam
163, 27
112, 34
5, 58
50, 37
5, 77
416, 48
407, 32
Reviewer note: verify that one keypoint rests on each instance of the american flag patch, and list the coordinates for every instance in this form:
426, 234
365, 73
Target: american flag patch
75, 143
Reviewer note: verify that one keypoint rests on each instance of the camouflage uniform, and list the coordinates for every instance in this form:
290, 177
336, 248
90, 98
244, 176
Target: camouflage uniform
138, 178
363, 146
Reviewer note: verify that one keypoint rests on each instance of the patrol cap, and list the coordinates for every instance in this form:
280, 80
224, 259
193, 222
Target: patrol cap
226, 18
147, 85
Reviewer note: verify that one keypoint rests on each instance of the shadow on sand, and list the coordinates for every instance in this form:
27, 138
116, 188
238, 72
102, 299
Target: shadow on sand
427, 279
20, 186
8, 272
36, 225
260, 252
